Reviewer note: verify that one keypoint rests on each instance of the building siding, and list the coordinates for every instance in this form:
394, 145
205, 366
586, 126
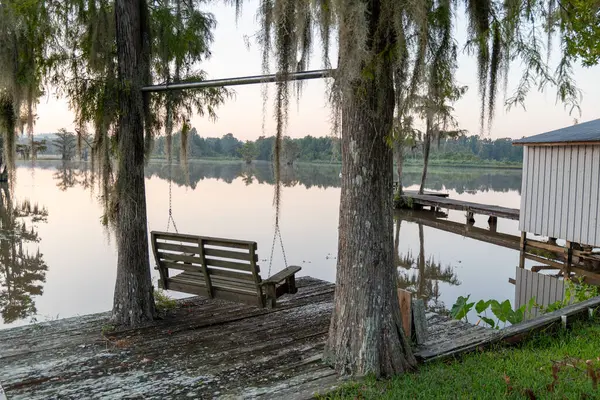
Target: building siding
561, 192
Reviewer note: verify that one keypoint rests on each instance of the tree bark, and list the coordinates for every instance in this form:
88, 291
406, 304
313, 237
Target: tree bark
133, 299
399, 158
366, 334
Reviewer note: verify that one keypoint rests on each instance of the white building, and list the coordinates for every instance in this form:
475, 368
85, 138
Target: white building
560, 196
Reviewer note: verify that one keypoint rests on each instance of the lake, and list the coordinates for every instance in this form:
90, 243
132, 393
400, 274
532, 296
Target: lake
57, 260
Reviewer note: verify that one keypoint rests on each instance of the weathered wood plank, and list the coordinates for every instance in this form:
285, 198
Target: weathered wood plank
228, 264
477, 208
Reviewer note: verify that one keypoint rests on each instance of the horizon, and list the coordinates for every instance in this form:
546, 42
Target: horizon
242, 115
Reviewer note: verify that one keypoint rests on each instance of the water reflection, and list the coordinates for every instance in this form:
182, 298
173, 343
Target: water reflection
422, 275
69, 174
327, 175
22, 273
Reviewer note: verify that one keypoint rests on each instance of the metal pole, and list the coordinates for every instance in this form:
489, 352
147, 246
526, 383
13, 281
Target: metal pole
247, 80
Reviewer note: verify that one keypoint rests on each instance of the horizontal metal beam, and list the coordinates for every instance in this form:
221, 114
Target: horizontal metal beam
247, 80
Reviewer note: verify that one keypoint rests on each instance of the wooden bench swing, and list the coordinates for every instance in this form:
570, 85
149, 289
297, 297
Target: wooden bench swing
218, 268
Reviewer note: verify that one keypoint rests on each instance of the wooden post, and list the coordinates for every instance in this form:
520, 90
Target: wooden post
404, 300
493, 223
523, 248
568, 259
419, 321
470, 217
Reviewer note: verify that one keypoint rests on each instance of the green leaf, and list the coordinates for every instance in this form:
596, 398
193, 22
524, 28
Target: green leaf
488, 321
481, 306
461, 308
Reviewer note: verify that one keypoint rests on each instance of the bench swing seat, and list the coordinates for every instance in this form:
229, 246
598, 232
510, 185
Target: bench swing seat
217, 268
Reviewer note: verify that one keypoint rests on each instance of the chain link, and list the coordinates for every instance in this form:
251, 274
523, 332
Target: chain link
171, 202
277, 233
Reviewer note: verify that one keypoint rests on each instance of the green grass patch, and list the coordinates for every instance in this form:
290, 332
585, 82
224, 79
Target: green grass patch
163, 302
565, 365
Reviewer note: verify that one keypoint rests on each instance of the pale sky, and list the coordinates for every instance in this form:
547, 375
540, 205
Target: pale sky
242, 115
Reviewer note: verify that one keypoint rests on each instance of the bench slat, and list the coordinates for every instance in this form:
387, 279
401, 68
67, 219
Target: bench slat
218, 293
177, 237
228, 264
219, 281
282, 275
180, 266
180, 257
230, 273
236, 255
177, 247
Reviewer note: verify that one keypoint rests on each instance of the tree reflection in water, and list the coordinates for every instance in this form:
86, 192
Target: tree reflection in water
22, 273
422, 275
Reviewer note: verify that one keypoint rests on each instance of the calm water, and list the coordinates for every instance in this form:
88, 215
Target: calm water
57, 260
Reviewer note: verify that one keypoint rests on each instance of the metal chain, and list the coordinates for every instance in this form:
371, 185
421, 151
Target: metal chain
171, 202
277, 233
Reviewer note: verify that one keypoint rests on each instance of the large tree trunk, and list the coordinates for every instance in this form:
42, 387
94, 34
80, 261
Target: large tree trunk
399, 158
366, 334
133, 299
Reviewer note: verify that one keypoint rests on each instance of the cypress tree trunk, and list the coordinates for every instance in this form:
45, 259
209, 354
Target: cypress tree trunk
366, 335
133, 299
399, 158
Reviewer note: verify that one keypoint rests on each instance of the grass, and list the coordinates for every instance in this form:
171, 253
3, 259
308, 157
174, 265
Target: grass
561, 366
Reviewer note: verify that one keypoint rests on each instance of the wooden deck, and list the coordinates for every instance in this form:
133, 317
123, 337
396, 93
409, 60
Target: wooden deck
205, 349
469, 207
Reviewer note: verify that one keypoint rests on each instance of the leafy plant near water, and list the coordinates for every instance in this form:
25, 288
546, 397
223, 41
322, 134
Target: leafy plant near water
575, 292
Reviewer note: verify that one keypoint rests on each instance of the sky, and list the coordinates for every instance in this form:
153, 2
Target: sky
242, 115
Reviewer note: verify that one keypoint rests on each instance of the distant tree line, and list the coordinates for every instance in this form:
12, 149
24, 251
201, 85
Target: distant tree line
326, 149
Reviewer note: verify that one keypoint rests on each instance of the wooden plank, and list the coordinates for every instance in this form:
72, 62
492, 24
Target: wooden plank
236, 255
255, 274
230, 274
419, 324
544, 261
228, 264
179, 248
162, 271
283, 274
205, 274
181, 266
404, 302
477, 208
545, 246
221, 242
198, 280
180, 257
176, 237
522, 249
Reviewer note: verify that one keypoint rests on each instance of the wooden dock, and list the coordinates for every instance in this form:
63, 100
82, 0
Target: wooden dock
549, 255
208, 349
467, 206
205, 349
